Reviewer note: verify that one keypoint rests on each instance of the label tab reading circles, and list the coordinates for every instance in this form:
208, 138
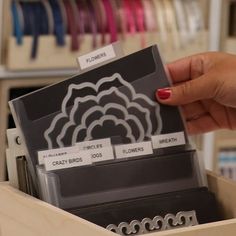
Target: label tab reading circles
168, 140
98, 56
67, 161
94, 144
42, 155
134, 149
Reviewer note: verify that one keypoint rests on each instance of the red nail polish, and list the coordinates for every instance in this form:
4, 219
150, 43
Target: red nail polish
163, 94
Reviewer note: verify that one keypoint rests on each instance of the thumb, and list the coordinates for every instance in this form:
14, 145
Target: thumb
193, 90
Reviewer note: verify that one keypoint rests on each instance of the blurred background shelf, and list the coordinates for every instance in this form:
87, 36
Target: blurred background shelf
52, 57
6, 74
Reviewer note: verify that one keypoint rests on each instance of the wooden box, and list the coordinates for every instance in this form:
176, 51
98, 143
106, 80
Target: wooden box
24, 215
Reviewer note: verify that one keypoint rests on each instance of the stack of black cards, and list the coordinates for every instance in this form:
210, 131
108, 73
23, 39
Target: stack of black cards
101, 147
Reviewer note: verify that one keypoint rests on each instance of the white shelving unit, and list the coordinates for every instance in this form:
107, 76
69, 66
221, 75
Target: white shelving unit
1, 28
214, 45
6, 74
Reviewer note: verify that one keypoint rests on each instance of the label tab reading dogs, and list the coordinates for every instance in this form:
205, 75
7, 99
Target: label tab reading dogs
100, 149
134, 149
102, 154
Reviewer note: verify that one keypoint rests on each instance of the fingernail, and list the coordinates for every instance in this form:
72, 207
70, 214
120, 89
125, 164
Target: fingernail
163, 94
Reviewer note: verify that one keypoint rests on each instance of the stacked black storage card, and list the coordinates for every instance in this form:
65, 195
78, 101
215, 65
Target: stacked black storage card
114, 100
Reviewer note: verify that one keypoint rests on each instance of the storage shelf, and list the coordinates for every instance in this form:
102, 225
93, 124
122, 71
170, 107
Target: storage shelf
6, 74
230, 45
52, 57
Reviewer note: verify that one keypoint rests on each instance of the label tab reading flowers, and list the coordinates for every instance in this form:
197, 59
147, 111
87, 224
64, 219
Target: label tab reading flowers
98, 56
134, 149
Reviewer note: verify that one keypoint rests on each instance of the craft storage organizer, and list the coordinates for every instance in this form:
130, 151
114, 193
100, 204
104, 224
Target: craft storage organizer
23, 215
151, 88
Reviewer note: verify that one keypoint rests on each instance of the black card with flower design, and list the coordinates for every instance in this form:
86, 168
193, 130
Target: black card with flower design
116, 100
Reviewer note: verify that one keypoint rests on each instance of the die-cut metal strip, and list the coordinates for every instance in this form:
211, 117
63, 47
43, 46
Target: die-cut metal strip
158, 223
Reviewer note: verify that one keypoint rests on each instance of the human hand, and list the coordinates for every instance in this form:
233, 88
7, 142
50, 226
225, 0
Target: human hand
205, 87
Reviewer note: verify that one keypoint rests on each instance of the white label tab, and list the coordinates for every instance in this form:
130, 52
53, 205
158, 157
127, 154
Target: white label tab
67, 161
134, 149
101, 154
94, 144
57, 152
97, 56
168, 140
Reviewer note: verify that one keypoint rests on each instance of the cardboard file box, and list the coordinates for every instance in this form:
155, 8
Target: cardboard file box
21, 214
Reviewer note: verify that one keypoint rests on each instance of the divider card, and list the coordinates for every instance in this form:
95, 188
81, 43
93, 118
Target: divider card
133, 178
115, 101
